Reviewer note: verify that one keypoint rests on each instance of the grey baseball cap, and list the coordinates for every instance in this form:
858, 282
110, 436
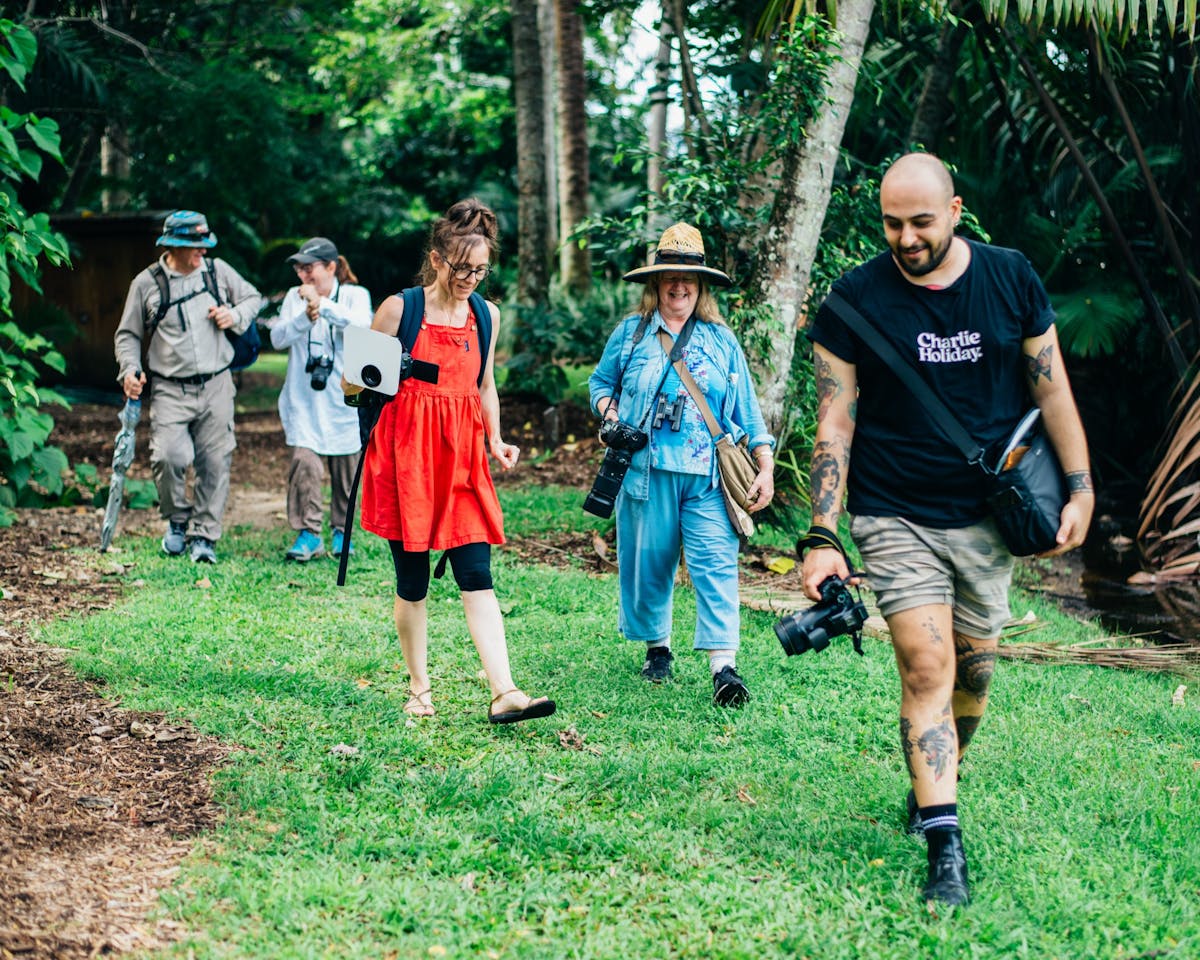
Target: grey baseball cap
317, 249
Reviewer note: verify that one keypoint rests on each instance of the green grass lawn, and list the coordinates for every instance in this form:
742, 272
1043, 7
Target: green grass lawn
664, 827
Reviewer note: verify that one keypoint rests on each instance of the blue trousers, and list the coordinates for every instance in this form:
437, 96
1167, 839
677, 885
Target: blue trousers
683, 509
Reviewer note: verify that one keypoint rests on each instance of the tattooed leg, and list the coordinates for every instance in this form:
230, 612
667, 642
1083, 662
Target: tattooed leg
926, 661
975, 664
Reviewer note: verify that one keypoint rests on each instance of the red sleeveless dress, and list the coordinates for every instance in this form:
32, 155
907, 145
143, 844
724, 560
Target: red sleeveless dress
425, 478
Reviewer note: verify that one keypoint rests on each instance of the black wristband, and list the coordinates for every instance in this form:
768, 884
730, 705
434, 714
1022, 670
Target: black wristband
818, 536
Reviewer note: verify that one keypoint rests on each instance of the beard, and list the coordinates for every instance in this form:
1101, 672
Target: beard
937, 254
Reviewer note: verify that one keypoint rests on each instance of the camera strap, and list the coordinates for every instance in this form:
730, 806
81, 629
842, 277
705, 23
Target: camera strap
819, 536
674, 358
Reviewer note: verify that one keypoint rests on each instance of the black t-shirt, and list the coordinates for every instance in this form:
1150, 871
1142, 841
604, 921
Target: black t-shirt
965, 340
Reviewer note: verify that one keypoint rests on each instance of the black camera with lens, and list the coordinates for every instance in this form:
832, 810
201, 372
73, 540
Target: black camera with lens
837, 612
319, 369
623, 442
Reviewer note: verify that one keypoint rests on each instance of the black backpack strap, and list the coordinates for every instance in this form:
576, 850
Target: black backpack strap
414, 313
164, 295
483, 325
368, 414
949, 424
210, 280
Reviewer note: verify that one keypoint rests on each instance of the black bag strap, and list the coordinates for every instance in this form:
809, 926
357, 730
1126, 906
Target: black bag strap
951, 428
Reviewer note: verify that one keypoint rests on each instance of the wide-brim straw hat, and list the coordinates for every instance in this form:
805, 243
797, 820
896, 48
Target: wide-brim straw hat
680, 250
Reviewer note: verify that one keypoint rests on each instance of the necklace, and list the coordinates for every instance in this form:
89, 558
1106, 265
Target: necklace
444, 317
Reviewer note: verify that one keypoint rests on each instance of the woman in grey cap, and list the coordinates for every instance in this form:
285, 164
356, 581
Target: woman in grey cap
317, 424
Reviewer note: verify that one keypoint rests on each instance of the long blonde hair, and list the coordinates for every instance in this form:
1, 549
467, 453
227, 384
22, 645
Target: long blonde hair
706, 304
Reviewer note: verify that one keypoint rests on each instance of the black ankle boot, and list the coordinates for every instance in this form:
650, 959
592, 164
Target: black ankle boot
947, 881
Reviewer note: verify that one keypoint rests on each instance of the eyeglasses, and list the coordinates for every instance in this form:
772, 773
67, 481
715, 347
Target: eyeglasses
463, 271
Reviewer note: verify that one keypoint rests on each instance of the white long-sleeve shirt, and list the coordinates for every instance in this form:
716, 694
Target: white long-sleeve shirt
319, 420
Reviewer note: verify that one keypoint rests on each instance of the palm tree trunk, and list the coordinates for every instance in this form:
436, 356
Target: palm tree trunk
789, 244
574, 261
656, 136
532, 273
934, 107
548, 39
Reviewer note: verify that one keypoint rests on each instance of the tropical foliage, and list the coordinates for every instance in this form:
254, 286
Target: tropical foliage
1073, 128
29, 467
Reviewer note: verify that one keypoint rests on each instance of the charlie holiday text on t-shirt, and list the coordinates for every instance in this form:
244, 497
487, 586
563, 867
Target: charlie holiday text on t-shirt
962, 346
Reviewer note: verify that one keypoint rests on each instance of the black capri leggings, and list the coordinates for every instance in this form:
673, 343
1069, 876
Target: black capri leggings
471, 563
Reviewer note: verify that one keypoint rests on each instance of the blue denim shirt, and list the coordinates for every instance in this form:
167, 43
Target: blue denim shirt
716, 362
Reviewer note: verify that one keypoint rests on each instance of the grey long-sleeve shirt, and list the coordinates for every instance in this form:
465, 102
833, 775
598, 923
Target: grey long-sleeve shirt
186, 342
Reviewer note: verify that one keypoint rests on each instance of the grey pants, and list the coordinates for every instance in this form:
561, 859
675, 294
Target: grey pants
304, 489
192, 426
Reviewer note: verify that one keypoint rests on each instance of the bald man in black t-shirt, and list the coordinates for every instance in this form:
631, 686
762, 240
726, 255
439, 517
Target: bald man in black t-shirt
976, 323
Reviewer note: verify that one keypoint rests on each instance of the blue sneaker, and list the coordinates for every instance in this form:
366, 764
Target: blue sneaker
339, 540
307, 546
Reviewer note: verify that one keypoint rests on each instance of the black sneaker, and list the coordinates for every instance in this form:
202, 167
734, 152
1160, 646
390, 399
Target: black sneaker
729, 690
947, 881
657, 667
915, 827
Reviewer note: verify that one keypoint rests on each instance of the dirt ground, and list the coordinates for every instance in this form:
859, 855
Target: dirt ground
99, 804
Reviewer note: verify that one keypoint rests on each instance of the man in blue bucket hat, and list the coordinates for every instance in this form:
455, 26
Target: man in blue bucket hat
178, 310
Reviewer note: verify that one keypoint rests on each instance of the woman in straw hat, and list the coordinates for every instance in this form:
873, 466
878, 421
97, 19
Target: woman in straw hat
671, 497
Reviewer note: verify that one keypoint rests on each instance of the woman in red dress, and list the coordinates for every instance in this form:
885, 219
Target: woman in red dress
426, 483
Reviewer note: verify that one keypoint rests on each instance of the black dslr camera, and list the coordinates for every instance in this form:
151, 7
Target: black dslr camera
837, 612
623, 442
319, 368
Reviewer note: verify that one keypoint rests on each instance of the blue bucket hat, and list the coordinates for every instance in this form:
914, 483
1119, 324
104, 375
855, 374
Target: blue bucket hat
186, 228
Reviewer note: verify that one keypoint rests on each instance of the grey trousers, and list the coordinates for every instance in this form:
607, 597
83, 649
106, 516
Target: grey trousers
304, 489
192, 426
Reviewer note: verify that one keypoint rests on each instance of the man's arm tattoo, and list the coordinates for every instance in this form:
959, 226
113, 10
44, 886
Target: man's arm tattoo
825, 467
1079, 481
1039, 366
828, 385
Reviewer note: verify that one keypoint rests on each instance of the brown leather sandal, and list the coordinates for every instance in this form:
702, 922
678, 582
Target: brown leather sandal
420, 704
541, 707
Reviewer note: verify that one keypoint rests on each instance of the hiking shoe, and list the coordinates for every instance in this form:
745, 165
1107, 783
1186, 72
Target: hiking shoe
307, 546
947, 881
657, 667
339, 540
174, 539
915, 827
202, 550
729, 690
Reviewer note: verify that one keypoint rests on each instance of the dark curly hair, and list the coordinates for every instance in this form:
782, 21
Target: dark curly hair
453, 235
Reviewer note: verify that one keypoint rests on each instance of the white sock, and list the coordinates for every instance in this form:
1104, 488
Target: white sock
718, 660
659, 643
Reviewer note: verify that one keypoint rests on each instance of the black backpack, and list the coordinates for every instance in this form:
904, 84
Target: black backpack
414, 311
245, 345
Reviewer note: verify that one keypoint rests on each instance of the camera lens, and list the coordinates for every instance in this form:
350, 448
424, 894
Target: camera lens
371, 376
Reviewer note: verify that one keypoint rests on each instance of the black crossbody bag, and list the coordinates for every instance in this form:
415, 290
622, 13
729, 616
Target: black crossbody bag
1026, 486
